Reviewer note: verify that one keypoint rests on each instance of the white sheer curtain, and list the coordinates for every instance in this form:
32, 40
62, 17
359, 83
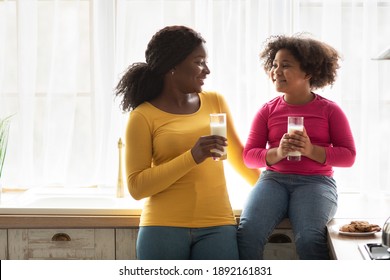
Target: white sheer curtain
57, 75
61, 59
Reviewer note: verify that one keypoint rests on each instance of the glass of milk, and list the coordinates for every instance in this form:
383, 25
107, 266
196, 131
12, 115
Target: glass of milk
218, 127
294, 123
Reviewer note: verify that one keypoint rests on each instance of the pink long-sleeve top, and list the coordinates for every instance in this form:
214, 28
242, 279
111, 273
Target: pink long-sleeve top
326, 126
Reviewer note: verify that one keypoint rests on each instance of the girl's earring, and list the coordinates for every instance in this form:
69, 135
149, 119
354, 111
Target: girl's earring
173, 72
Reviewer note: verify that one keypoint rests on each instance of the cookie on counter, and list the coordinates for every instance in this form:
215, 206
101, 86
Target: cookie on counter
360, 226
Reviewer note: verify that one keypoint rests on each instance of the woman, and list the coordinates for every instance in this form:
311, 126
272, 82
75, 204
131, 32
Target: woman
304, 191
187, 214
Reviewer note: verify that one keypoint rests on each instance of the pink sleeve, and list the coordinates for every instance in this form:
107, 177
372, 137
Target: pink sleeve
342, 153
255, 148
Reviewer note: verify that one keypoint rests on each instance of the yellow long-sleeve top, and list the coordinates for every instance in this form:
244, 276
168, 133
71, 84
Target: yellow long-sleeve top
160, 166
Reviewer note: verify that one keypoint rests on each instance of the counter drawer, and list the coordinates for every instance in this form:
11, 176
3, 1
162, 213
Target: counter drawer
281, 246
61, 244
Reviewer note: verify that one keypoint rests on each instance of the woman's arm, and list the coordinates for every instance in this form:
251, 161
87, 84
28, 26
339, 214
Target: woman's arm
235, 148
143, 180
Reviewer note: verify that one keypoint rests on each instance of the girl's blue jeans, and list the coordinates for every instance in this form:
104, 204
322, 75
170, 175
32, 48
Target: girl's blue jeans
177, 243
310, 202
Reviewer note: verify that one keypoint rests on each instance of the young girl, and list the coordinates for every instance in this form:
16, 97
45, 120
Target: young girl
304, 191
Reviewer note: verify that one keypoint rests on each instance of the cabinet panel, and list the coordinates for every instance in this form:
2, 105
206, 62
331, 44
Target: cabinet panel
61, 244
126, 240
104, 244
3, 244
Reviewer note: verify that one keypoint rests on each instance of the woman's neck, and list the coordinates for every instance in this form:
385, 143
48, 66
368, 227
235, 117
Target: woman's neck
177, 104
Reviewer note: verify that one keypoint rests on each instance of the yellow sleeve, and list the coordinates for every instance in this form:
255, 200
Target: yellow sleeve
143, 180
235, 148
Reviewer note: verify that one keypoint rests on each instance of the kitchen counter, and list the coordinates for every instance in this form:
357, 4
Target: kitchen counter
67, 221
94, 203
88, 208
344, 247
112, 212
68, 208
374, 209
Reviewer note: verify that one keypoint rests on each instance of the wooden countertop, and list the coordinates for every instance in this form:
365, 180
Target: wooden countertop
13, 218
67, 221
77, 221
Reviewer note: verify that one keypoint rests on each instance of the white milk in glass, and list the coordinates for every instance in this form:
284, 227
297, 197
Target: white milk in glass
294, 124
292, 128
218, 127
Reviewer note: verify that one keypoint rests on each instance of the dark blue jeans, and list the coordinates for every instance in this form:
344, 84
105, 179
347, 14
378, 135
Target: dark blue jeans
177, 243
310, 202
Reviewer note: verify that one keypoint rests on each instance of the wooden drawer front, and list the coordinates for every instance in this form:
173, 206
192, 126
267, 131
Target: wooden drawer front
80, 245
62, 244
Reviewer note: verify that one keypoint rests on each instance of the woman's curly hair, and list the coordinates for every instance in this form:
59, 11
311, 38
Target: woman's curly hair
167, 48
316, 58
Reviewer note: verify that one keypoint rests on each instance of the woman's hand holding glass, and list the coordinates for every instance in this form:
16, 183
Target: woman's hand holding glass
204, 145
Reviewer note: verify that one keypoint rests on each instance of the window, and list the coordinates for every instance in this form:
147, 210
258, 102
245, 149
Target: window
61, 60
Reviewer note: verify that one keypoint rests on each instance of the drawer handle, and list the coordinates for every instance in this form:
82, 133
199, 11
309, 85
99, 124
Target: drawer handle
279, 238
61, 237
